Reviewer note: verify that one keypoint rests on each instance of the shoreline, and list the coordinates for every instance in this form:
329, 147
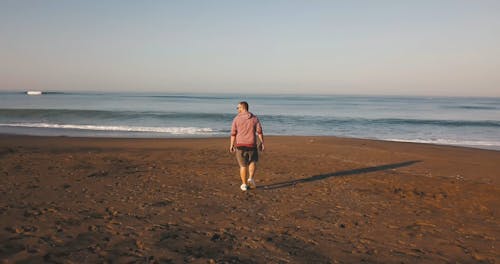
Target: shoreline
180, 137
319, 199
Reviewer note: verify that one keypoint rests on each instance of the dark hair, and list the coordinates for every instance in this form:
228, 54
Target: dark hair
244, 104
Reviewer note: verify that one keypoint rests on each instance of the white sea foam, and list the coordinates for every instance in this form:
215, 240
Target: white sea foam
169, 130
449, 142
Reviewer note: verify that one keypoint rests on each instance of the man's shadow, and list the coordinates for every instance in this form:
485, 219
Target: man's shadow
338, 174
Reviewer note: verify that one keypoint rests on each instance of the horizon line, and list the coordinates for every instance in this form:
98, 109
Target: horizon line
248, 93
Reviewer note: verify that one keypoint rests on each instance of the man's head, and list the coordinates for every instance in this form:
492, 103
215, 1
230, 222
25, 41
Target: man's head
242, 107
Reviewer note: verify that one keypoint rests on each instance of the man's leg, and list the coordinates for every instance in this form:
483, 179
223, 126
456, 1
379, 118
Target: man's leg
243, 174
251, 171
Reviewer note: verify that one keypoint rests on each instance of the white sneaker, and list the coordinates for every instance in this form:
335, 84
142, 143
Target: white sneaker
251, 183
244, 187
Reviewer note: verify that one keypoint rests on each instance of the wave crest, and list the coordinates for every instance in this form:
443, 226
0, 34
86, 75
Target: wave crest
169, 130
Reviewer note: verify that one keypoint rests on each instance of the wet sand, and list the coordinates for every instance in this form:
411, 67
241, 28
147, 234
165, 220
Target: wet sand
319, 200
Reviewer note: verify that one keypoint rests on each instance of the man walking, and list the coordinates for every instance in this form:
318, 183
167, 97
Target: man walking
244, 143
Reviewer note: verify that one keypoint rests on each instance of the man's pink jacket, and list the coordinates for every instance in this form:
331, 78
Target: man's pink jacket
244, 127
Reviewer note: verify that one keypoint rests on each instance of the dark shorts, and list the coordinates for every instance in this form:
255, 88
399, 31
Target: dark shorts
246, 155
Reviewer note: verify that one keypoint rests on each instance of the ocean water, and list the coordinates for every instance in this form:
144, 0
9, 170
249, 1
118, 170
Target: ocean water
473, 122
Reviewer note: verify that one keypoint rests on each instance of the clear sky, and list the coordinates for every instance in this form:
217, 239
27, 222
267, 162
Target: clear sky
449, 48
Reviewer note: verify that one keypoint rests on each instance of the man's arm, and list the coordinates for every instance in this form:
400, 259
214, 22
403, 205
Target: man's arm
260, 134
231, 146
261, 138
233, 135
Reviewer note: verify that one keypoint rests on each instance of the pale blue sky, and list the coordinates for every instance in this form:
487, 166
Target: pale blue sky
449, 48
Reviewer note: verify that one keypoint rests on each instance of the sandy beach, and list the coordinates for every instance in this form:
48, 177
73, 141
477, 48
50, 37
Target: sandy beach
319, 200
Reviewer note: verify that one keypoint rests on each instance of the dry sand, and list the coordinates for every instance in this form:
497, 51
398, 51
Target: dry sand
319, 200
